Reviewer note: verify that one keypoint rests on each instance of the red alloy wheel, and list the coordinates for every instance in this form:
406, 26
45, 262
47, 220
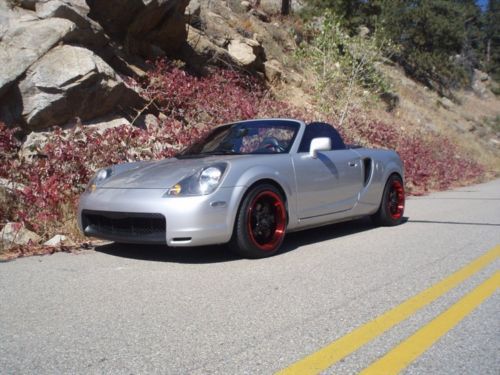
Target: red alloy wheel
396, 200
266, 220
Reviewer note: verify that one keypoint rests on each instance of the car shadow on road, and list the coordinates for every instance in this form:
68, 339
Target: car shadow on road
222, 253
328, 232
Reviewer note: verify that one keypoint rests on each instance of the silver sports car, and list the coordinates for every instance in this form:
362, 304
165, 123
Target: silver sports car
246, 183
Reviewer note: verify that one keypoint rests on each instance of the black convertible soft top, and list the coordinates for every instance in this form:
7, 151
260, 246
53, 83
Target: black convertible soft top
321, 129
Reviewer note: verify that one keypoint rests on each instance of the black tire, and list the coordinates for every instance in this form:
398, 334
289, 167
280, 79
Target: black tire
392, 206
260, 224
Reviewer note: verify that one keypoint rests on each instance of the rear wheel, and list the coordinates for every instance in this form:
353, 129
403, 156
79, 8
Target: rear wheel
261, 223
392, 207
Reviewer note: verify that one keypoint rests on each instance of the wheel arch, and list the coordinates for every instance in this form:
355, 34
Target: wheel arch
264, 180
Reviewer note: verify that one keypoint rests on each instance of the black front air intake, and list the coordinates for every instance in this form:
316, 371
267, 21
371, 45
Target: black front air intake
125, 226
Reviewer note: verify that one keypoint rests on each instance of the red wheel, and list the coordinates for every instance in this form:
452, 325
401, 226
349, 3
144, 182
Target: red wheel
266, 220
261, 223
392, 207
396, 199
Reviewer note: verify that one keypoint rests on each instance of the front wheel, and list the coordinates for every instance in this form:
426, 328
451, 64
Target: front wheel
392, 207
260, 224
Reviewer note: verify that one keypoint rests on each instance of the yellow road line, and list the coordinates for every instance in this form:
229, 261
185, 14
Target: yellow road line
334, 352
410, 349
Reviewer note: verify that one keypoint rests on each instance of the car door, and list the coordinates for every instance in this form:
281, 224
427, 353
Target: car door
327, 184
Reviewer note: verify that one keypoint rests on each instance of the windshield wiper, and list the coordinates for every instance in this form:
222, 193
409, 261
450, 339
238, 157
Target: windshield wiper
220, 152
206, 154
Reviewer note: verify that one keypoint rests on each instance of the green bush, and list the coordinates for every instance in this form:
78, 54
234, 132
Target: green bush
342, 64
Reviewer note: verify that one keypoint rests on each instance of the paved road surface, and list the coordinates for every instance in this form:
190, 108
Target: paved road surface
137, 310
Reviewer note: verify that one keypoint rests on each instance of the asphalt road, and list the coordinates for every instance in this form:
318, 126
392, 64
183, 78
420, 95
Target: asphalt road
137, 310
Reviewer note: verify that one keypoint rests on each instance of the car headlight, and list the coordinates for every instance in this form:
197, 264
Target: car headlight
203, 182
99, 177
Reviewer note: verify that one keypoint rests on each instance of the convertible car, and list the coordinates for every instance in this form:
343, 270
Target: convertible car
246, 183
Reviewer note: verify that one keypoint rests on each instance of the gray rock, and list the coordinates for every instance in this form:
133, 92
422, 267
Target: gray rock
25, 42
445, 103
160, 24
115, 16
246, 53
495, 142
480, 82
150, 121
246, 5
481, 76
6, 184
261, 15
363, 31
14, 234
200, 50
71, 82
215, 18
30, 4
59, 240
192, 13
107, 122
33, 144
273, 70
148, 27
87, 32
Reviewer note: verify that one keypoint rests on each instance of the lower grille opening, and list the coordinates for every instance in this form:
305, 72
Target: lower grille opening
125, 226
181, 239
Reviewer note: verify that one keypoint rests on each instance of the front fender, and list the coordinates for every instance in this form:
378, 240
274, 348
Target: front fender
258, 173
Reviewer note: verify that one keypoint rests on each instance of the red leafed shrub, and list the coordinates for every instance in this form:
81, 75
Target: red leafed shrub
48, 185
431, 161
218, 98
221, 97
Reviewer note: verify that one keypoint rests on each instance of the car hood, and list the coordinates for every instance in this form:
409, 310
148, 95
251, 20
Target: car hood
161, 174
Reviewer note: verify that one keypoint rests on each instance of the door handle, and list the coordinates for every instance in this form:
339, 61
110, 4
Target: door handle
352, 164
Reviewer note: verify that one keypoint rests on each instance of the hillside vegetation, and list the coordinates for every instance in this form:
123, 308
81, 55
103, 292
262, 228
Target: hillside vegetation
419, 79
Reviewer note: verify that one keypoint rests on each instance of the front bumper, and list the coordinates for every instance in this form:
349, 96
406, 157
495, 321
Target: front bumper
136, 216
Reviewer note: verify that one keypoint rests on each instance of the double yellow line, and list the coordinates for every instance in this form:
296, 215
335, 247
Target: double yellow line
407, 351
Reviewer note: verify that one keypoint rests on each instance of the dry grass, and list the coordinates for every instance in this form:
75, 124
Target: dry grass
465, 123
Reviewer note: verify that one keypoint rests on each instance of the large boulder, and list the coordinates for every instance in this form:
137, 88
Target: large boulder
192, 13
147, 27
87, 33
71, 82
199, 50
13, 234
115, 15
273, 71
24, 42
247, 53
480, 82
160, 25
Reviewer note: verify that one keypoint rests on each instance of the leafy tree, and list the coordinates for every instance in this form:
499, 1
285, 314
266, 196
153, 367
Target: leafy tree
492, 39
345, 67
348, 12
438, 39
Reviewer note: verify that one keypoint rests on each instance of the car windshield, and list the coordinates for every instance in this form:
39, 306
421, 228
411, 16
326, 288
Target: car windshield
253, 137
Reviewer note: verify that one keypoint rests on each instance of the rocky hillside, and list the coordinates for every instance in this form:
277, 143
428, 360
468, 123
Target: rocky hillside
65, 61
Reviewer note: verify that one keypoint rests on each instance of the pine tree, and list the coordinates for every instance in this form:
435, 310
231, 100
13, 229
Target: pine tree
286, 6
492, 39
432, 35
348, 12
